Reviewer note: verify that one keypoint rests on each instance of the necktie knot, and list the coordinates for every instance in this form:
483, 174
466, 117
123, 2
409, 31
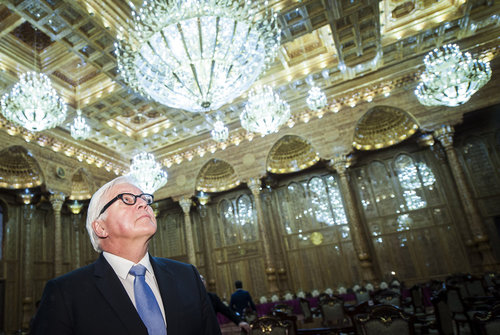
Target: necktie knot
138, 270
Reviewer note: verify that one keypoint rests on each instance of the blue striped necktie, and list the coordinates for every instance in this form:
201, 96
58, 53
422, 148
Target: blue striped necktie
146, 303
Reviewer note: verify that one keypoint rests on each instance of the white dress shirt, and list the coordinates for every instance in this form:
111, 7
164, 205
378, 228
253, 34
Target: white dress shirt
122, 266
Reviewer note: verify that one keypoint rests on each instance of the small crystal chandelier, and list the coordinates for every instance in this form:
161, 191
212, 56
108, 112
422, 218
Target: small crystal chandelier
219, 133
264, 112
147, 172
451, 77
197, 55
80, 130
316, 99
33, 103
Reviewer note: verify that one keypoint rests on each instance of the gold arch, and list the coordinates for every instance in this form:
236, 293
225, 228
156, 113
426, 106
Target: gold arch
18, 169
81, 188
216, 176
383, 126
291, 153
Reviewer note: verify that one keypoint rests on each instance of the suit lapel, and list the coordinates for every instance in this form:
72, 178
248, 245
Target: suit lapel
169, 295
113, 292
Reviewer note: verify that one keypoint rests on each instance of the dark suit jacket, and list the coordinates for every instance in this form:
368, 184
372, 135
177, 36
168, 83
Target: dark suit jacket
240, 300
92, 301
219, 307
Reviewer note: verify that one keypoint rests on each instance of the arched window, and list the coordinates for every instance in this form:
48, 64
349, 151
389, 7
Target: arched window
238, 220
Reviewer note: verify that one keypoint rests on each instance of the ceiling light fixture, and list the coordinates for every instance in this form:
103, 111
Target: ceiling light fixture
147, 172
33, 103
197, 55
316, 99
219, 133
451, 77
264, 112
80, 130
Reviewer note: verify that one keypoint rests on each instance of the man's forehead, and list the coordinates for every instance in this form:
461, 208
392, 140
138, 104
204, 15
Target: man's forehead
122, 188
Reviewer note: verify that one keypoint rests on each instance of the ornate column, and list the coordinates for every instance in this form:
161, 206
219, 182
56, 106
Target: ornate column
57, 200
75, 208
185, 203
444, 135
28, 212
254, 186
340, 163
203, 199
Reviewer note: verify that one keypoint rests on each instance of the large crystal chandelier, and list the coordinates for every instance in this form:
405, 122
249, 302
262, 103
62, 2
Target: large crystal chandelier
451, 77
33, 103
316, 99
264, 112
147, 172
80, 130
219, 133
197, 55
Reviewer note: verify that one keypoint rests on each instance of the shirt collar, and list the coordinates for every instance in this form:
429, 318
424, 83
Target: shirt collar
122, 266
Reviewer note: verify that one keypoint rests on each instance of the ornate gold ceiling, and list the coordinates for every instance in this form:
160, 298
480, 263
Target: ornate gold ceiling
334, 41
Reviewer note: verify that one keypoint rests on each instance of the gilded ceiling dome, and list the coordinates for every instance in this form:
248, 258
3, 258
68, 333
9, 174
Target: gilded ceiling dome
291, 153
80, 186
216, 176
18, 169
383, 126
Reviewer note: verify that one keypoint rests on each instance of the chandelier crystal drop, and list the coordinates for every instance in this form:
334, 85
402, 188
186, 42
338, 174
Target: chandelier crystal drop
451, 77
147, 172
33, 103
264, 112
197, 55
316, 99
219, 133
80, 130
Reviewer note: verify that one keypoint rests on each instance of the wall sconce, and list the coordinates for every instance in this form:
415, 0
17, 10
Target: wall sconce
75, 207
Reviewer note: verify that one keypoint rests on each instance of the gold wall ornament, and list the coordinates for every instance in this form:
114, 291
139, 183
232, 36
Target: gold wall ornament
316, 238
216, 176
80, 186
18, 169
291, 153
383, 126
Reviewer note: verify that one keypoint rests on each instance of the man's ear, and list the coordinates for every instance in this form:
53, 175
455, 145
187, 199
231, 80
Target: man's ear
99, 228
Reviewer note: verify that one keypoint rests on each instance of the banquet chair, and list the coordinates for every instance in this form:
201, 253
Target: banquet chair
333, 314
487, 322
306, 310
388, 297
386, 319
270, 325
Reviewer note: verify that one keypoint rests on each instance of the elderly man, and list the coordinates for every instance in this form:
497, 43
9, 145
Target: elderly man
126, 291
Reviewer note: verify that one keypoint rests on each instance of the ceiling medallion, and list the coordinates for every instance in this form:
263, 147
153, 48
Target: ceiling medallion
197, 55
147, 172
33, 103
451, 77
264, 112
80, 130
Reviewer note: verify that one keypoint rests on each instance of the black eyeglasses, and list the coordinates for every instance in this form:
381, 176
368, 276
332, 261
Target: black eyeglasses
129, 199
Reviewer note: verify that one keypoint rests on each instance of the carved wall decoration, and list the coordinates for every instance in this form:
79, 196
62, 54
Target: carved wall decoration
216, 176
383, 126
18, 169
81, 187
291, 153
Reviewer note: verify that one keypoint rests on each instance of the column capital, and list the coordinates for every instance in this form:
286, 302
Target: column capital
340, 163
444, 134
57, 200
254, 184
185, 203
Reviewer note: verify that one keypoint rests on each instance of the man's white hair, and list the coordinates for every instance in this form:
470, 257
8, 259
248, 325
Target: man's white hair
96, 205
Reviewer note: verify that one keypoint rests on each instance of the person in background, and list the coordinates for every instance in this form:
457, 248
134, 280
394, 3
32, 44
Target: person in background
241, 299
126, 290
219, 307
